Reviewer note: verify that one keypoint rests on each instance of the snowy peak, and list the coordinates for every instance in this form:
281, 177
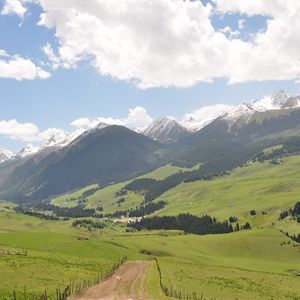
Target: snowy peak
58, 139
62, 138
242, 110
165, 130
5, 155
26, 151
277, 101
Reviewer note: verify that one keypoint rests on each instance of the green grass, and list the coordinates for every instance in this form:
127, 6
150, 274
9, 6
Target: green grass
165, 171
71, 199
256, 264
239, 265
258, 186
106, 197
6, 205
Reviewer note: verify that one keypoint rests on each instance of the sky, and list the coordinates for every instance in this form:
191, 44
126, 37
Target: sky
73, 63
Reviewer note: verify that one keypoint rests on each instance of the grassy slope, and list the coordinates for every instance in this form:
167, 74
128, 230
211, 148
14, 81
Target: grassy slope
247, 265
259, 186
256, 264
106, 197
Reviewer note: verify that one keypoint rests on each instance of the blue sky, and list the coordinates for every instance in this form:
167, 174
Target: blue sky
84, 91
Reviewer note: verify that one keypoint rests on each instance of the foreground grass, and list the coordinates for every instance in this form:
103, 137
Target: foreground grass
257, 264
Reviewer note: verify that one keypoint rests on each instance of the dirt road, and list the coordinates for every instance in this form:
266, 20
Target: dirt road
128, 283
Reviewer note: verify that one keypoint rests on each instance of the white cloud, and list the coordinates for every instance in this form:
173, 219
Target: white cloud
275, 53
26, 132
14, 7
19, 68
231, 33
161, 43
137, 118
203, 116
241, 24
251, 7
82, 122
152, 43
52, 57
18, 131
3, 53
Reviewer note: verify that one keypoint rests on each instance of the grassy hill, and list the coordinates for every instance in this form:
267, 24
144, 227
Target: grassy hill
256, 264
106, 197
266, 188
261, 186
261, 263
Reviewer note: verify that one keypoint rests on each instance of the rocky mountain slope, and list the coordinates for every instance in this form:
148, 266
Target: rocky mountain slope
165, 130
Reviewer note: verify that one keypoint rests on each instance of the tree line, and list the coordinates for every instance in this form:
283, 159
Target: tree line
187, 223
30, 212
78, 211
295, 212
89, 224
140, 211
294, 237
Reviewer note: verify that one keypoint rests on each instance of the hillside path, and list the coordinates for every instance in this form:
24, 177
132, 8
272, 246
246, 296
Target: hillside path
127, 283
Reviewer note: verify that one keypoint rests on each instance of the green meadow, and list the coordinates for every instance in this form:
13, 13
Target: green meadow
268, 189
256, 264
106, 197
261, 263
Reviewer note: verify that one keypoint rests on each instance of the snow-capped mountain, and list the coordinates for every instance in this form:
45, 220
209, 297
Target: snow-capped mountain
277, 101
165, 130
26, 151
62, 138
5, 155
58, 139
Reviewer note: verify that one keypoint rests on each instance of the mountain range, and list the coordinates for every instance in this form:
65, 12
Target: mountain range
108, 154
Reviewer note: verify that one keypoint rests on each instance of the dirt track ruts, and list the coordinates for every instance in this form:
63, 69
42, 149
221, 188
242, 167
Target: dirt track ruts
127, 283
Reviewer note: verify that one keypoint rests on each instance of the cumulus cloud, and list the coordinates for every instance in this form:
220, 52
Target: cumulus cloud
14, 7
137, 118
275, 53
54, 60
81, 122
26, 132
162, 43
18, 131
151, 43
19, 68
203, 116
241, 24
229, 32
251, 7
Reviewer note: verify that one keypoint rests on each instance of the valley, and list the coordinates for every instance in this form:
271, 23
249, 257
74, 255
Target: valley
115, 214
261, 263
